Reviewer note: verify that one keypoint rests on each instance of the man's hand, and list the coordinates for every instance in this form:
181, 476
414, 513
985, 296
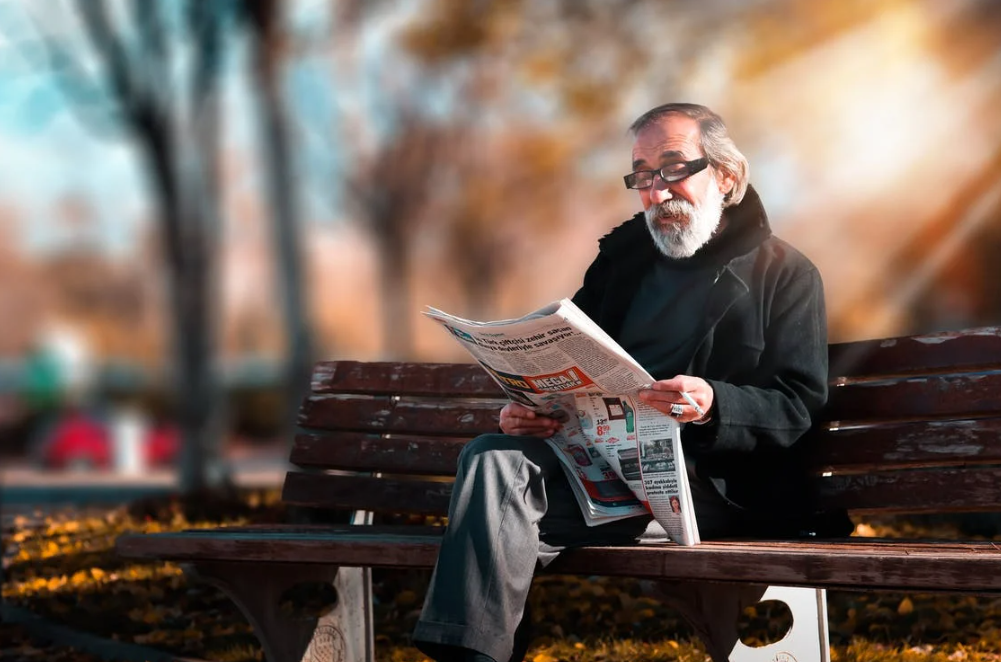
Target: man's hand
666, 393
520, 420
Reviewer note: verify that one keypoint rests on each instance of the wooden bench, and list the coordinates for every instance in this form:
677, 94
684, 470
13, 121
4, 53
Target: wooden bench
913, 426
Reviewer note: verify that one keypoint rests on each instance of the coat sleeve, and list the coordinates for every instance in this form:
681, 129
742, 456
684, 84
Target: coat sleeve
789, 387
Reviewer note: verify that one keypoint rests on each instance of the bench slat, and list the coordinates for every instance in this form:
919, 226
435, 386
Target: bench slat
852, 450
853, 564
385, 378
384, 414
907, 445
848, 566
939, 491
960, 351
909, 399
916, 399
381, 495
951, 352
358, 451
914, 491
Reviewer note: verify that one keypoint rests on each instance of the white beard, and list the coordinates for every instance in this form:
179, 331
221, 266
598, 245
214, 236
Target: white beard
685, 228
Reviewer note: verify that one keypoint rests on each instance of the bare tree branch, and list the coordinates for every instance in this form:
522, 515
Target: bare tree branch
206, 21
152, 39
88, 100
123, 79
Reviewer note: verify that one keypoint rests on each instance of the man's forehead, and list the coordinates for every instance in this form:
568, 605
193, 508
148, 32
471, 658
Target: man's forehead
672, 136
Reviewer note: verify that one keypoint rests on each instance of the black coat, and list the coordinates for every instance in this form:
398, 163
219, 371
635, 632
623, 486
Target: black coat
762, 347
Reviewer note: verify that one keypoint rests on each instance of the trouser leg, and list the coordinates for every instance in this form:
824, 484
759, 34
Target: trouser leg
489, 551
512, 509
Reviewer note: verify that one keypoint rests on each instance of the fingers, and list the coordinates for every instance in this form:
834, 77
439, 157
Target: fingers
517, 419
668, 396
513, 409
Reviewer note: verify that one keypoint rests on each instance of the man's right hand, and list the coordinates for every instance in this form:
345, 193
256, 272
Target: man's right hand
520, 420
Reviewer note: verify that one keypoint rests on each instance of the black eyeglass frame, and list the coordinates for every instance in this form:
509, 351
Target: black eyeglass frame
692, 167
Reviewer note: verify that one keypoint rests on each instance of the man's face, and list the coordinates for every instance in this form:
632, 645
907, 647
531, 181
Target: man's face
681, 216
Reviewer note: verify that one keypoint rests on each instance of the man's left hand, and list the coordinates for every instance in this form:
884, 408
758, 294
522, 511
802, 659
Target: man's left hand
666, 393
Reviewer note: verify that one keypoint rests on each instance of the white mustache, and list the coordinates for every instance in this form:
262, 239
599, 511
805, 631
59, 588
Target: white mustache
673, 208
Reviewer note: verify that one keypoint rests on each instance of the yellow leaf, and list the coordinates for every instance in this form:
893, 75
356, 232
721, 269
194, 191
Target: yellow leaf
905, 607
579, 646
865, 531
155, 637
543, 657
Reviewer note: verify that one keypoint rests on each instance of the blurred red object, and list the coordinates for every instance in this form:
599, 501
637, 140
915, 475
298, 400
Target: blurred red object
162, 445
78, 441
82, 441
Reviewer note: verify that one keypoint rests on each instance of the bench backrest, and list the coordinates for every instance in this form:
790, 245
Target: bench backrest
913, 425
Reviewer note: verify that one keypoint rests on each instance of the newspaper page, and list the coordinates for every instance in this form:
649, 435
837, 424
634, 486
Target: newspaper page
623, 458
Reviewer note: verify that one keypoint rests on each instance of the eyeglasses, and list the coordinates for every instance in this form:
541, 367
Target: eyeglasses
672, 172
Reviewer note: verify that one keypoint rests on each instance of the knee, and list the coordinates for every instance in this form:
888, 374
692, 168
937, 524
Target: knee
486, 447
503, 452
494, 468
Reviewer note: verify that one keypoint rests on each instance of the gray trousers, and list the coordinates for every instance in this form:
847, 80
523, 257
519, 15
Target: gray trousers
512, 510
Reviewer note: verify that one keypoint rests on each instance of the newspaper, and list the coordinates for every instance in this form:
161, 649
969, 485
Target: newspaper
622, 457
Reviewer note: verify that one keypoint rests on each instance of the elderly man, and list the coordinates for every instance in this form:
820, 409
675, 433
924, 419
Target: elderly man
698, 290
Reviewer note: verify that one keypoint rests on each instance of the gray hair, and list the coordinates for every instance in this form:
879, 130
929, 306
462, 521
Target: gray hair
714, 139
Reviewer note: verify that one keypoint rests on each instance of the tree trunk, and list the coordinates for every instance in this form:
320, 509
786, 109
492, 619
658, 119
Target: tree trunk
285, 219
197, 383
183, 173
395, 296
188, 256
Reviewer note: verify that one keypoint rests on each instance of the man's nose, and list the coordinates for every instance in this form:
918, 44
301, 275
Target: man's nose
660, 191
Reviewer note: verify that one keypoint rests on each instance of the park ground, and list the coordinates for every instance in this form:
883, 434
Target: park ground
60, 566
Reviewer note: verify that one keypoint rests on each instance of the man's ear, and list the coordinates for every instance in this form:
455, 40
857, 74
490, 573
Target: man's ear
725, 181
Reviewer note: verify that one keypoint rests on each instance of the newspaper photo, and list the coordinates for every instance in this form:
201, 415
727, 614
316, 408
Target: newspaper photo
623, 458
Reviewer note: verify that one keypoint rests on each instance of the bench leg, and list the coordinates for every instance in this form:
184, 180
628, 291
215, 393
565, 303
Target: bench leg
713, 609
344, 634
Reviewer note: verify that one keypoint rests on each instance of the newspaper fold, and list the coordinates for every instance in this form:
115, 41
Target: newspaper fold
622, 457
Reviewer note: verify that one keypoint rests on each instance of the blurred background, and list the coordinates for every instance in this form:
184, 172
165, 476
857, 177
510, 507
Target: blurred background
200, 198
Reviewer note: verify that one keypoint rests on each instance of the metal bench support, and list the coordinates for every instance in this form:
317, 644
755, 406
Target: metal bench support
714, 608
344, 634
